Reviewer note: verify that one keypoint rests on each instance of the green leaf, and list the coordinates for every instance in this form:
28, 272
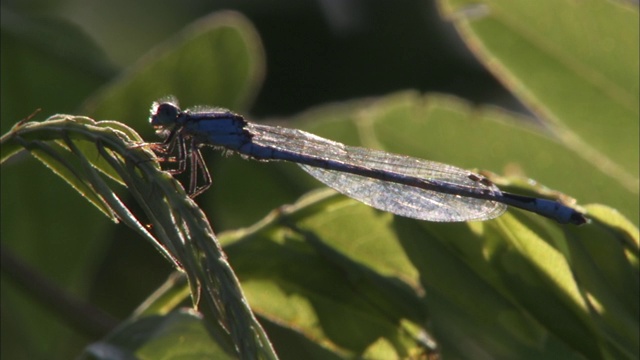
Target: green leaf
574, 64
159, 337
346, 306
349, 277
41, 56
216, 60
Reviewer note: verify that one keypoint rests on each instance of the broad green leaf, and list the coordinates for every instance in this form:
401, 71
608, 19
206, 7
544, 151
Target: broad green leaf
472, 309
40, 56
159, 337
293, 344
338, 307
216, 60
574, 64
511, 287
606, 268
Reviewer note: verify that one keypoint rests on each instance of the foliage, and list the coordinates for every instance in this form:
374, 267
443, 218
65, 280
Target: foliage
328, 277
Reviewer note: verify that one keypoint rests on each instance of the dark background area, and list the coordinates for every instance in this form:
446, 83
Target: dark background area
328, 53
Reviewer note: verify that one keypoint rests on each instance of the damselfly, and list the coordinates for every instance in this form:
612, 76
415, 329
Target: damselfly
402, 185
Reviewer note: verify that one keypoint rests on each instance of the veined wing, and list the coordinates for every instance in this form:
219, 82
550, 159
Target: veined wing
401, 199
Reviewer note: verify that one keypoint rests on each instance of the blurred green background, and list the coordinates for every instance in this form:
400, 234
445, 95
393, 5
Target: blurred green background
63, 56
316, 52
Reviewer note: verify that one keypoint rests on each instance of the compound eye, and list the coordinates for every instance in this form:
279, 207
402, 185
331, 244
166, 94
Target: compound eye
164, 114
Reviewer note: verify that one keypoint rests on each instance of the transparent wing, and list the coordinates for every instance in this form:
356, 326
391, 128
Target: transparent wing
405, 200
